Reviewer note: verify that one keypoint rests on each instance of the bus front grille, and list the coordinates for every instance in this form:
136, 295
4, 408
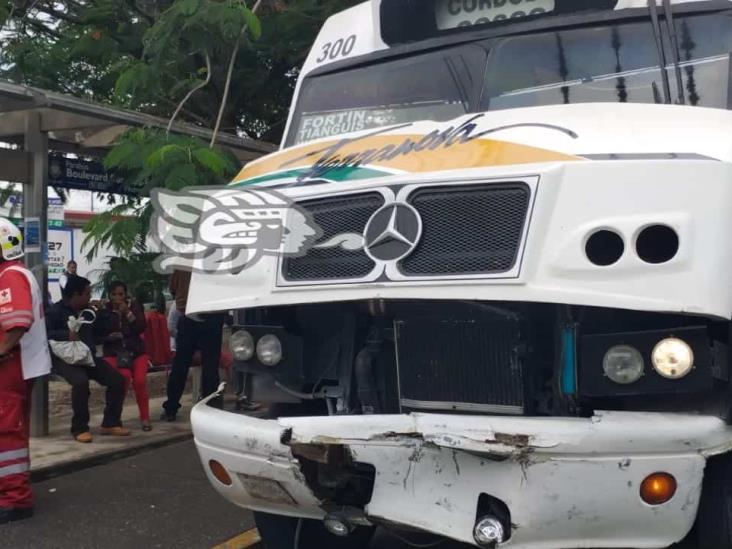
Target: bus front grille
460, 364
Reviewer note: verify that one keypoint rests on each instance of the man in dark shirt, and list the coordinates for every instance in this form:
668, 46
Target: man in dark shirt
70, 270
202, 334
76, 296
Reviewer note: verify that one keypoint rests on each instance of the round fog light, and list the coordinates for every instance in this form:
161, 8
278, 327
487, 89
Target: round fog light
488, 531
269, 350
672, 358
241, 344
623, 364
658, 488
337, 526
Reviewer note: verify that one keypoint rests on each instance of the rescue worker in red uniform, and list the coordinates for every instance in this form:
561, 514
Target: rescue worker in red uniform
24, 356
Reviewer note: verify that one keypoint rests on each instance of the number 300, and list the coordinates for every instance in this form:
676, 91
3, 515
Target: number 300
339, 48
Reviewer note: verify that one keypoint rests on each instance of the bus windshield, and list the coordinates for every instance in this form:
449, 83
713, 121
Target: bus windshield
608, 63
435, 86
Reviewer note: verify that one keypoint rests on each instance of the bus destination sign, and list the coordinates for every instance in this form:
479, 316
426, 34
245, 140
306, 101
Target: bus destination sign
451, 14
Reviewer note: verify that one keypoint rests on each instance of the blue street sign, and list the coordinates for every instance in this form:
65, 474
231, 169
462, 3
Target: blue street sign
32, 234
86, 175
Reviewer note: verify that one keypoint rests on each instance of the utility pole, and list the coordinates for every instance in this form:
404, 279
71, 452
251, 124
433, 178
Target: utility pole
35, 204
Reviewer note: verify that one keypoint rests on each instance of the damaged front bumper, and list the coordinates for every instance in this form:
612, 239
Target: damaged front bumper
568, 482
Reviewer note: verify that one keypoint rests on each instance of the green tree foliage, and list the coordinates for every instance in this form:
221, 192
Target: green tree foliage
167, 58
71, 47
146, 159
148, 54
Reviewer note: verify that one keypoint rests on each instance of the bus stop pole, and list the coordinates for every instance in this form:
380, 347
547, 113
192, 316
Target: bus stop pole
35, 204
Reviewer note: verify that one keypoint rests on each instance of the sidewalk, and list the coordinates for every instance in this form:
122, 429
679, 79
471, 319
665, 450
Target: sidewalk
59, 453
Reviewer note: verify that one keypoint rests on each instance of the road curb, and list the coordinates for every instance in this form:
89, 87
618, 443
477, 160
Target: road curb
67, 467
249, 539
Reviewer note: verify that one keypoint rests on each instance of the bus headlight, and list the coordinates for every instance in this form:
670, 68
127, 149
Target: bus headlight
623, 364
672, 358
269, 350
242, 345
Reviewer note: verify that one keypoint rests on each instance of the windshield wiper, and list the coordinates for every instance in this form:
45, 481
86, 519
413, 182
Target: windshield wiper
659, 46
656, 93
669, 16
453, 70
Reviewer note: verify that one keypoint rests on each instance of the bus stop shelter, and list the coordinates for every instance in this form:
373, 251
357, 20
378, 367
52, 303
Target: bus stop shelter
35, 122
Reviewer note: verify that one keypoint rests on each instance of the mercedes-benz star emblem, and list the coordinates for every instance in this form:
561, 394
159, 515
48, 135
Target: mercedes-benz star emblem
392, 232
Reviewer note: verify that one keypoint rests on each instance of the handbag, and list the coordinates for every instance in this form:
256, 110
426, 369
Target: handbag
124, 355
124, 359
75, 353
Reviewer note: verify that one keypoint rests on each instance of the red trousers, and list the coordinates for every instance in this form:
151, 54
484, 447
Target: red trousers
138, 376
15, 394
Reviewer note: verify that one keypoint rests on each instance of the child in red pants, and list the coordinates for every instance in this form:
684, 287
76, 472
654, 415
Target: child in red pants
125, 321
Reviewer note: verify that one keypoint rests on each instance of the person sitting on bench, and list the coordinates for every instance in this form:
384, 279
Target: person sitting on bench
76, 295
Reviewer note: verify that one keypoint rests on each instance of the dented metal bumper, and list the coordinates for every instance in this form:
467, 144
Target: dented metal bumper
568, 482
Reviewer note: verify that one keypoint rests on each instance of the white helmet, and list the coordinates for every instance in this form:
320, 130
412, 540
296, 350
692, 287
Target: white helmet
11, 240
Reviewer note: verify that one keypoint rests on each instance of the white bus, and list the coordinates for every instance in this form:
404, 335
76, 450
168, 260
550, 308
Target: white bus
513, 327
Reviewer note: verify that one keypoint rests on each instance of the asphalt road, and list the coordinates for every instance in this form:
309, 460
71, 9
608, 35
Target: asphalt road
155, 499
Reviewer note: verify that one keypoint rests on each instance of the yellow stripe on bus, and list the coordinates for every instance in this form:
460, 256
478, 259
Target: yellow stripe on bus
403, 153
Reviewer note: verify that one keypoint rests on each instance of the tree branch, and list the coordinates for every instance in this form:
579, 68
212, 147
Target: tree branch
10, 16
188, 112
191, 92
229, 72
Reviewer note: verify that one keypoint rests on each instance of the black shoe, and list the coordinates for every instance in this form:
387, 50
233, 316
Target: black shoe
15, 513
244, 405
167, 416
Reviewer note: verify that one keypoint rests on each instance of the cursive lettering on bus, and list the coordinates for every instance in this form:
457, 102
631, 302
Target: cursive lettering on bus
330, 159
